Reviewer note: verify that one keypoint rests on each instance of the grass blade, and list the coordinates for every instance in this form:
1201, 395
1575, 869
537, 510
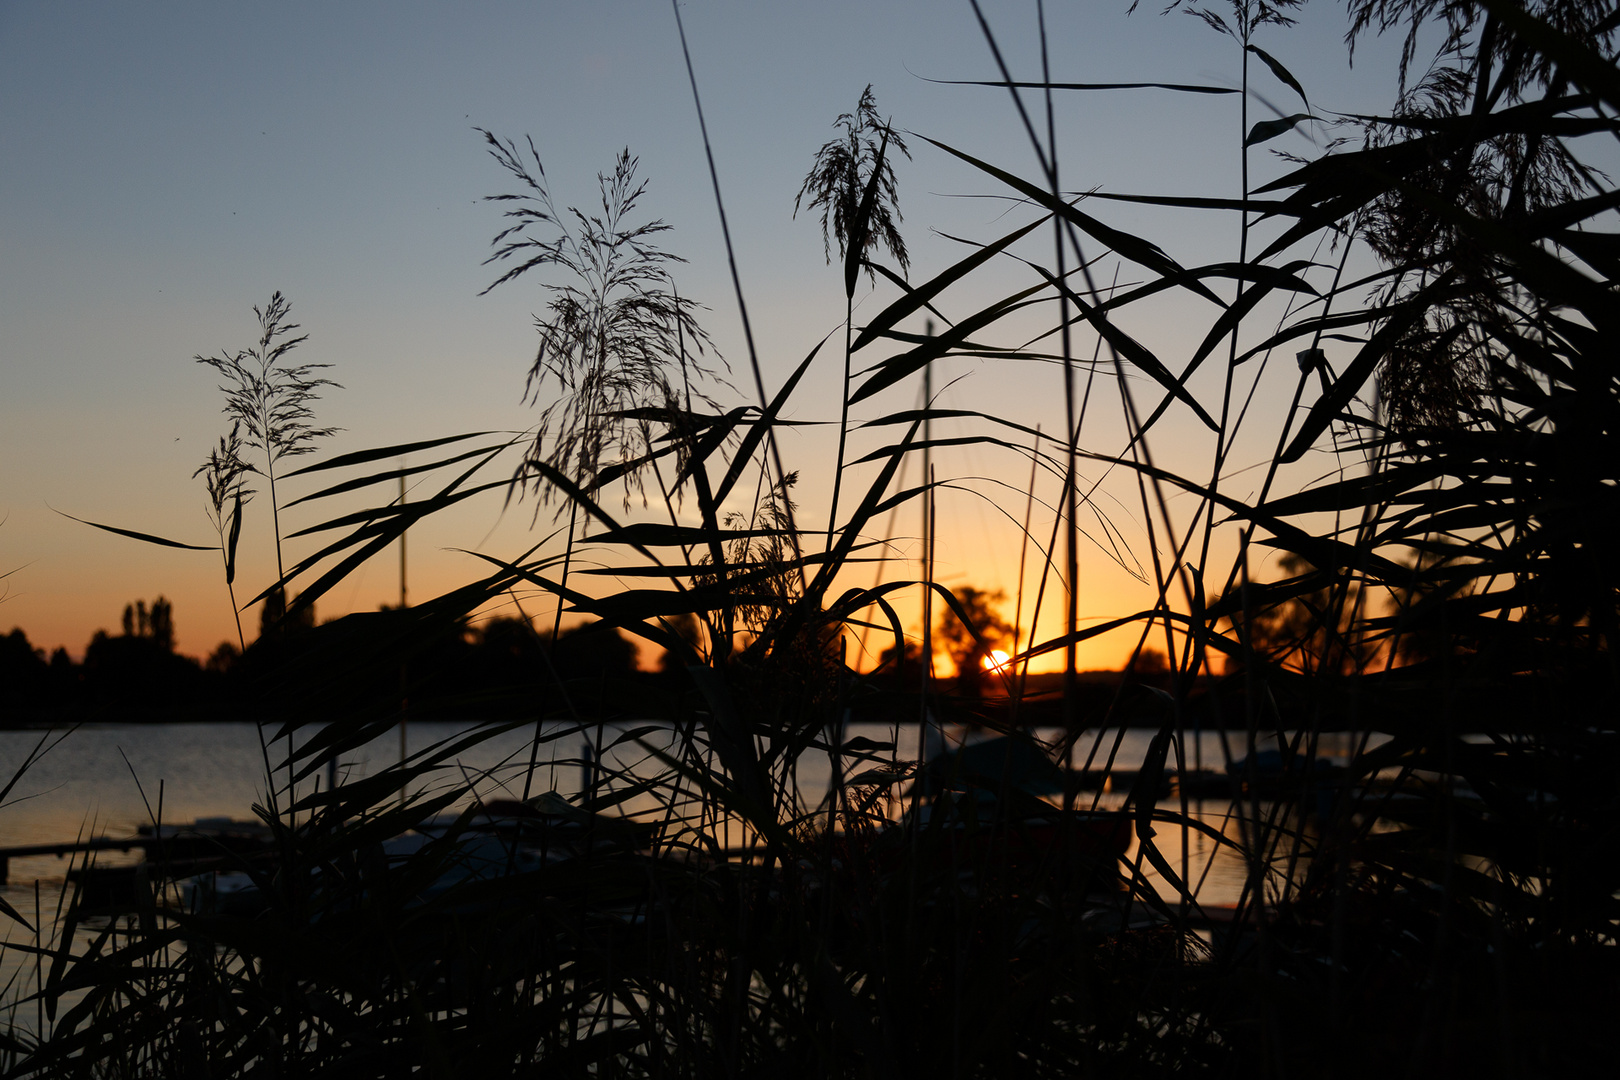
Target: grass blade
146, 537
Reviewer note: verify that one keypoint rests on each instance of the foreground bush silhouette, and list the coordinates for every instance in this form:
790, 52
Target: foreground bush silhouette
1444, 905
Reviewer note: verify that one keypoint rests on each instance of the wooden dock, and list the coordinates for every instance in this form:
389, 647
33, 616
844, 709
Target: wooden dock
99, 843
207, 837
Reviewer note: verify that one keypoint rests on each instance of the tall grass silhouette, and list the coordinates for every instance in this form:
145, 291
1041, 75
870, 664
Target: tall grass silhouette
1444, 900
225, 476
271, 401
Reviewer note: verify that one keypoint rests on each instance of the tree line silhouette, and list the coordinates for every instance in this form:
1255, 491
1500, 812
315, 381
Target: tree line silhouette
492, 666
380, 662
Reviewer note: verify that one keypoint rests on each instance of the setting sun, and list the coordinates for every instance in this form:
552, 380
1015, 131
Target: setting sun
995, 660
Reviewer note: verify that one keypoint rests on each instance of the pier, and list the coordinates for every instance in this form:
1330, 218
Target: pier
100, 843
204, 838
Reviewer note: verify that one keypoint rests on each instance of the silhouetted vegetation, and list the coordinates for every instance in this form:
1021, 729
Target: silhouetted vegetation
25, 674
1440, 901
498, 667
969, 638
270, 402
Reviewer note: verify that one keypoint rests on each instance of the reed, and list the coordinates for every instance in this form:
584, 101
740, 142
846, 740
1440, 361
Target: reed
225, 475
270, 401
861, 213
1442, 902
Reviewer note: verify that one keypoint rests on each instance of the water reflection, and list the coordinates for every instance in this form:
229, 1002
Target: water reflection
109, 779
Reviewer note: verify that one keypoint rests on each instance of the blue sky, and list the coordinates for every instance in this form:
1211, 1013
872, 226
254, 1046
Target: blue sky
166, 167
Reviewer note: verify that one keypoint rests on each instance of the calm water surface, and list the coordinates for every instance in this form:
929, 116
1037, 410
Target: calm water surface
105, 780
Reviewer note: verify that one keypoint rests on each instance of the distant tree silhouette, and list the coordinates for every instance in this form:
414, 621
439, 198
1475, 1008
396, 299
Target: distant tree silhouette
967, 647
139, 670
25, 677
272, 616
223, 658
1152, 662
156, 625
906, 668
160, 624
690, 630
66, 677
1316, 631
510, 652
506, 652
594, 651
1421, 609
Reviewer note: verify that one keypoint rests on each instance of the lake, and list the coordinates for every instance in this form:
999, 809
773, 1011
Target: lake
107, 779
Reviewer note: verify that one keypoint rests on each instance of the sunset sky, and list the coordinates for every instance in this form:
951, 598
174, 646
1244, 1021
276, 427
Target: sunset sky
164, 168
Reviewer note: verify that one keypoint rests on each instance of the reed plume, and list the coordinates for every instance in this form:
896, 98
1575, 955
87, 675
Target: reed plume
272, 400
852, 181
616, 339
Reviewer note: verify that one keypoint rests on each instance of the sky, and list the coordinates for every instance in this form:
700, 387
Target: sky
165, 168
